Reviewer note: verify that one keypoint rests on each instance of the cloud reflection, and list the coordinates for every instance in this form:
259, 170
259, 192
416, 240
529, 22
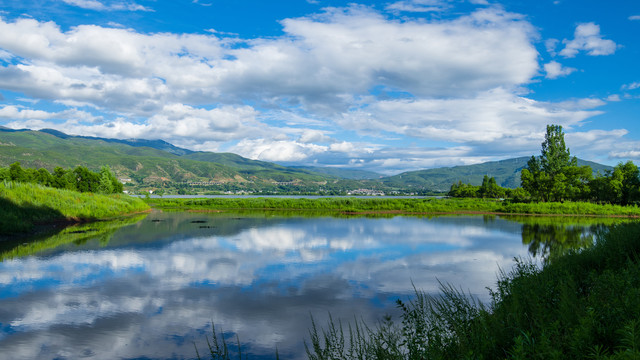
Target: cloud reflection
150, 294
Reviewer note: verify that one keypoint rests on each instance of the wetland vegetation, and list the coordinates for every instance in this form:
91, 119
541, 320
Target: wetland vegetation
26, 206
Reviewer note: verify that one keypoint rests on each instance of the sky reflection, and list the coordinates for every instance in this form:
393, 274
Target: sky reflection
157, 285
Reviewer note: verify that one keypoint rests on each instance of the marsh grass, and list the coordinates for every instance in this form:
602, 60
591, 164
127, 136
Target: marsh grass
397, 206
219, 349
24, 205
583, 305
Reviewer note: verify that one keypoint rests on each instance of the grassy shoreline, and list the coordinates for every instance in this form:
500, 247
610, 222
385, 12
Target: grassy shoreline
28, 207
397, 206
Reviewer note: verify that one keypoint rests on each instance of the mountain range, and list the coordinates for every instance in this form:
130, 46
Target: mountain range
148, 163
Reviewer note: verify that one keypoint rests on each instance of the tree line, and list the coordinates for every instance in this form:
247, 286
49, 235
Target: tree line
79, 179
555, 176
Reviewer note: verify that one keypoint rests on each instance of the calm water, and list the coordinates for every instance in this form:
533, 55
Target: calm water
151, 288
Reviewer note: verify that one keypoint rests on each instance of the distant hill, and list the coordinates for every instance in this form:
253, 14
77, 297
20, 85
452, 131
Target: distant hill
353, 174
155, 144
143, 161
506, 172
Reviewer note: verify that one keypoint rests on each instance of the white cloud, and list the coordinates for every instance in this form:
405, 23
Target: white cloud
100, 6
555, 70
551, 45
309, 136
634, 17
276, 150
588, 38
631, 86
487, 118
419, 6
462, 77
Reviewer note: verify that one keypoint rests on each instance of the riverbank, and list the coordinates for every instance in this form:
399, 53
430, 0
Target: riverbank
396, 206
27, 208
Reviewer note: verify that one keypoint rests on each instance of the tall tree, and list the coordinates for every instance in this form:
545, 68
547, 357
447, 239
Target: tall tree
555, 154
555, 176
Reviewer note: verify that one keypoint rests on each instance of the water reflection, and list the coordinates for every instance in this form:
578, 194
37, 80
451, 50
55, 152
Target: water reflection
152, 288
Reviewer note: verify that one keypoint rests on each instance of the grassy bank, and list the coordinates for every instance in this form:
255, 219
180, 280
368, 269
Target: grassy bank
395, 205
24, 206
584, 305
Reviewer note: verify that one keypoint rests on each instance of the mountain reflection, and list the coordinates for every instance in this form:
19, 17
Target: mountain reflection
154, 287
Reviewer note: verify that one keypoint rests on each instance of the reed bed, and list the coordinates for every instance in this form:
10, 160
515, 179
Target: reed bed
395, 205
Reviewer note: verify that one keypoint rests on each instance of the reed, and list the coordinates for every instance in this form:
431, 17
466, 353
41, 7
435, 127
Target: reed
398, 206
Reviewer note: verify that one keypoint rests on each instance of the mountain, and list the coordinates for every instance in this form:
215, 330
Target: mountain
506, 172
155, 144
353, 174
142, 161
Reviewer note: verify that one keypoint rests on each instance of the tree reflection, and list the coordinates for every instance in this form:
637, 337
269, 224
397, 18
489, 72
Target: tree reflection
552, 241
551, 237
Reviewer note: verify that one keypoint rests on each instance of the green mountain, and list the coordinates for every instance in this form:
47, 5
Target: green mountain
506, 173
353, 174
142, 161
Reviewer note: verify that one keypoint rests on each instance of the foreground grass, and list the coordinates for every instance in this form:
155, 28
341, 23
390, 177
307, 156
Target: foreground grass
584, 305
23, 206
394, 205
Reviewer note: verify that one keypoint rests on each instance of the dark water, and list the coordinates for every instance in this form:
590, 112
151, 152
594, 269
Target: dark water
151, 288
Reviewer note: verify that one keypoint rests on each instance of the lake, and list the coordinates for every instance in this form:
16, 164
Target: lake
150, 287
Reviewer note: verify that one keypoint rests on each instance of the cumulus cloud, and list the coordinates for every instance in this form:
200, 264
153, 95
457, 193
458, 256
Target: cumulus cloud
587, 38
276, 150
488, 117
555, 70
461, 80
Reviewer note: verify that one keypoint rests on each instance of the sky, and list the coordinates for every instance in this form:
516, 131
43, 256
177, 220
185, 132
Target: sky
385, 86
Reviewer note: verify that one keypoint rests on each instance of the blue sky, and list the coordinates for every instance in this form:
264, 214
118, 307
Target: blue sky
388, 86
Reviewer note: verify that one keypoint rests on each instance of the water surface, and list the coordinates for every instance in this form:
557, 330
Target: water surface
151, 288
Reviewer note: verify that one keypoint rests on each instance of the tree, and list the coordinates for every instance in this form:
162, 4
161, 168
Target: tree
490, 189
108, 183
620, 186
555, 176
85, 179
555, 154
43, 177
16, 173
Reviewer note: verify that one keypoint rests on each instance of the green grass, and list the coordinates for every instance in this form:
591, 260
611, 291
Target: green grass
24, 206
584, 305
395, 205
